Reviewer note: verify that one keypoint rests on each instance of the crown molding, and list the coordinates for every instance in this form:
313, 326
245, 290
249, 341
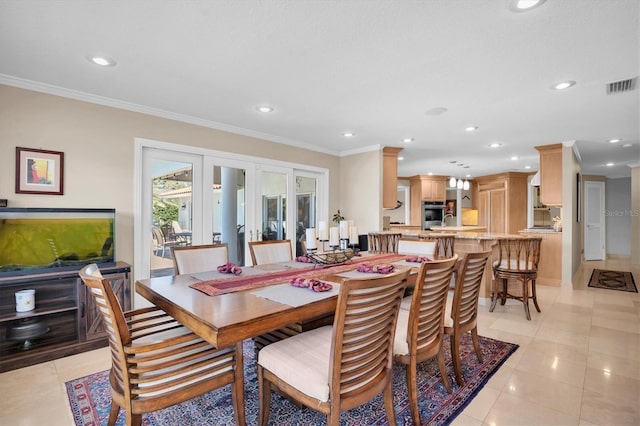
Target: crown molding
128, 106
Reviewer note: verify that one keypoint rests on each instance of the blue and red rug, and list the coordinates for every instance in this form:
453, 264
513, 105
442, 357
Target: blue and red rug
90, 397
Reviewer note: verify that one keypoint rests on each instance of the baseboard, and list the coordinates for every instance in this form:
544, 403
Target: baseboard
619, 257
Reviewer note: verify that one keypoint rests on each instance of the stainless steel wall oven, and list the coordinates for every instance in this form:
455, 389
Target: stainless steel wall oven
432, 214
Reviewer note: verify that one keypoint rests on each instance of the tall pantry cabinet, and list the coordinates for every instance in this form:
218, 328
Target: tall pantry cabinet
501, 201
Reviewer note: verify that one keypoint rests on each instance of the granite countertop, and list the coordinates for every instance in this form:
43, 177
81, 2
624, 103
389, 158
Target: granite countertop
464, 228
540, 231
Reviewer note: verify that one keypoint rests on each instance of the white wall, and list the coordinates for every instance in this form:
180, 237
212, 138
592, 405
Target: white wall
360, 194
98, 143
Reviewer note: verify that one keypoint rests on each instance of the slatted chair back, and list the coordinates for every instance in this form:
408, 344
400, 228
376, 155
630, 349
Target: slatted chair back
420, 330
445, 244
464, 307
416, 247
271, 251
352, 361
156, 362
193, 259
518, 254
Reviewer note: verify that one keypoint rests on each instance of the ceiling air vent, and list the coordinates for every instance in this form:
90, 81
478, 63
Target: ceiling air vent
621, 86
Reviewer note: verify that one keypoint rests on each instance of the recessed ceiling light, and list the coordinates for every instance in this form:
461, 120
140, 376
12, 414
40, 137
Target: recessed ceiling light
348, 134
436, 111
495, 145
610, 164
515, 157
471, 128
626, 145
563, 85
527, 167
430, 173
264, 108
407, 140
614, 140
103, 61
468, 175
524, 5
400, 158
453, 161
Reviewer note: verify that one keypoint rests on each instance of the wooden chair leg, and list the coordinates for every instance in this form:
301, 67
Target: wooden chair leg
134, 420
525, 298
412, 391
534, 296
443, 370
455, 356
264, 393
503, 295
113, 413
388, 403
476, 343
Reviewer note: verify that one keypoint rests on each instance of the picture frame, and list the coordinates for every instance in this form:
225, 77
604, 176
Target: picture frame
39, 171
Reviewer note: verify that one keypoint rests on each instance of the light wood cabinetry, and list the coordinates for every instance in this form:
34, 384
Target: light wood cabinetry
390, 177
551, 174
502, 202
425, 188
550, 265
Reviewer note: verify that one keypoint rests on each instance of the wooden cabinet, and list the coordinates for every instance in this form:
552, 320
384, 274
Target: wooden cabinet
390, 177
502, 202
550, 265
65, 320
425, 188
551, 174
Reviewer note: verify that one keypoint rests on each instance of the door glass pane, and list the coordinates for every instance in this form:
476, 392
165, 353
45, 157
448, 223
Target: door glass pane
228, 211
274, 202
306, 189
171, 212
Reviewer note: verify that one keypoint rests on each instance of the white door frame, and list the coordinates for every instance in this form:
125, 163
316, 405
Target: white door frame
594, 219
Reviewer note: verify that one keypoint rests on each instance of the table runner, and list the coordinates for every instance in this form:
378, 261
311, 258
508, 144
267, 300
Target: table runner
230, 284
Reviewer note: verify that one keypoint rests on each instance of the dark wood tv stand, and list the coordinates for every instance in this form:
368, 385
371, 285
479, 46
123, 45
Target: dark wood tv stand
65, 320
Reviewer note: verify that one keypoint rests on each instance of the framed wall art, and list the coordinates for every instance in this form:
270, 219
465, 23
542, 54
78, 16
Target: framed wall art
39, 171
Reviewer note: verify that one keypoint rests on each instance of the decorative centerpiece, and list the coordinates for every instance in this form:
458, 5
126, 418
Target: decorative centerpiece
333, 257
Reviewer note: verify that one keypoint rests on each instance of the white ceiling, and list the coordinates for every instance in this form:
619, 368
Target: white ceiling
368, 66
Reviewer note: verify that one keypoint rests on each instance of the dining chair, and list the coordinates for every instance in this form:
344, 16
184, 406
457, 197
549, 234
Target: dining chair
420, 328
193, 259
270, 251
156, 362
340, 367
160, 244
416, 247
445, 244
518, 260
462, 312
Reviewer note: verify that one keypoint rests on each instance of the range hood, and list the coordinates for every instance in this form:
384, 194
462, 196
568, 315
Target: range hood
535, 180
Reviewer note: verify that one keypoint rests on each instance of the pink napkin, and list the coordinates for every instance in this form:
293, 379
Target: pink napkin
418, 259
304, 259
230, 268
380, 269
311, 283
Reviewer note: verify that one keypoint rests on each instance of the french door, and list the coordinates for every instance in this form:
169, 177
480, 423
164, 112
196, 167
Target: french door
198, 197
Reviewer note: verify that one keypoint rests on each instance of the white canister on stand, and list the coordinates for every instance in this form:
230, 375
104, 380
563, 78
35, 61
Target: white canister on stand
25, 300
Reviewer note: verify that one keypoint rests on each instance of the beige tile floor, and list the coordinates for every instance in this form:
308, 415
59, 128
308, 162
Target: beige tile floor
578, 364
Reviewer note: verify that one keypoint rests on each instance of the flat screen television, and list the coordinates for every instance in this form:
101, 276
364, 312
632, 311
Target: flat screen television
35, 240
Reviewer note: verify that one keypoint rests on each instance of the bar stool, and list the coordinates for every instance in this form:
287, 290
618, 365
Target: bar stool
518, 260
383, 242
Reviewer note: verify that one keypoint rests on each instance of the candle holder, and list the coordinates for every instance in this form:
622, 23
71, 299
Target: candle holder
333, 257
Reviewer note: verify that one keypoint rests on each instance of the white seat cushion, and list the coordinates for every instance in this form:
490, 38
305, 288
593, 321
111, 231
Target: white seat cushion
513, 265
422, 248
400, 345
302, 361
406, 303
448, 322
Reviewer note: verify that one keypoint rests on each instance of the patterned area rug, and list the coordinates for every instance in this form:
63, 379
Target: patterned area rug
613, 280
90, 397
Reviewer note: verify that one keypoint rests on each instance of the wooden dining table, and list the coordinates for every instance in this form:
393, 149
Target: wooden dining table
230, 317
